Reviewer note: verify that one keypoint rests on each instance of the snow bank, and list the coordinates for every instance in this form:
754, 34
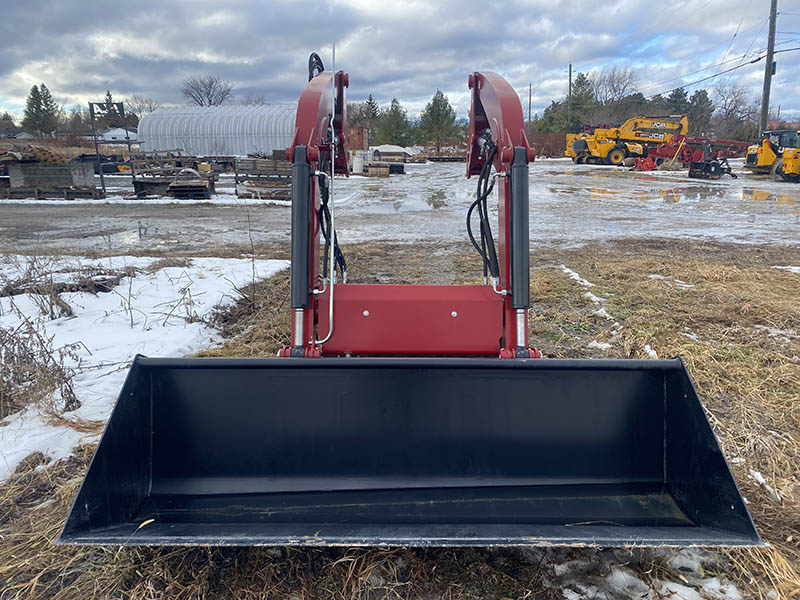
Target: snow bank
158, 314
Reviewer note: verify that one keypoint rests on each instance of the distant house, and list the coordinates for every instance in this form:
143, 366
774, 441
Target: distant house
117, 134
24, 135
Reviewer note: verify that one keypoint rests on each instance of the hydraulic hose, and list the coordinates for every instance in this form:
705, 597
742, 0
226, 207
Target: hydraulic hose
315, 66
486, 248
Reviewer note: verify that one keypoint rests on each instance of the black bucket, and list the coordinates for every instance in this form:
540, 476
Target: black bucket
408, 452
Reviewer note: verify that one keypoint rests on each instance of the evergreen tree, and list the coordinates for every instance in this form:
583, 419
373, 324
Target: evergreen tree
679, 102
658, 105
437, 121
701, 110
111, 117
372, 111
393, 126
7, 125
50, 110
32, 119
560, 117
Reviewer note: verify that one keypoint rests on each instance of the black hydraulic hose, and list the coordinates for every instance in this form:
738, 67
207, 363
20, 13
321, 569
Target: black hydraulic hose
315, 66
324, 215
486, 249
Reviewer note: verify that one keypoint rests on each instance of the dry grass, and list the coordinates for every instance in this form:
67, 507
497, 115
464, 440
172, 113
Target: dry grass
750, 382
748, 376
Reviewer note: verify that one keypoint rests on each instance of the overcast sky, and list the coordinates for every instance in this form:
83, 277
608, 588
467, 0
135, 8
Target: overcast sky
391, 49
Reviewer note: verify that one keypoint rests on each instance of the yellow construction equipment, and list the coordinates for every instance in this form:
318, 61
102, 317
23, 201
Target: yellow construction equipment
613, 145
789, 168
769, 155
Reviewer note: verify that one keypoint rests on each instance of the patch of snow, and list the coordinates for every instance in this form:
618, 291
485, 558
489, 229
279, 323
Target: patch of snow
595, 345
790, 269
679, 283
608, 575
650, 352
691, 336
593, 298
784, 334
573, 275
602, 312
759, 479
158, 314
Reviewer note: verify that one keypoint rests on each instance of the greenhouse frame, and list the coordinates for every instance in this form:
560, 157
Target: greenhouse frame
218, 130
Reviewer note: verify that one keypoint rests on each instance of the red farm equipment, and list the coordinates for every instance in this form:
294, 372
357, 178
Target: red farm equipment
411, 415
684, 150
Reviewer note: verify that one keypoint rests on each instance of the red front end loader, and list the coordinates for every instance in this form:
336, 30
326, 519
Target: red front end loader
409, 415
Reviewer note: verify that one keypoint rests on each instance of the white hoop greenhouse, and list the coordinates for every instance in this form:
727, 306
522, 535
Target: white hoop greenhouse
218, 130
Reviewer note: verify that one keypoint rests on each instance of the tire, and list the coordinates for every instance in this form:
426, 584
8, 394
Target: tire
617, 156
580, 159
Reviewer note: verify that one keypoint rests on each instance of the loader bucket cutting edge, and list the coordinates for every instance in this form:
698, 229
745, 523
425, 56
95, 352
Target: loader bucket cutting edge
408, 452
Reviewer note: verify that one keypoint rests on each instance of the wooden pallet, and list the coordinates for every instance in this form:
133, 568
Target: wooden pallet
51, 194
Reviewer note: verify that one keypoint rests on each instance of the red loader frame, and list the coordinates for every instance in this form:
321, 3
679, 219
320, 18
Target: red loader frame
332, 318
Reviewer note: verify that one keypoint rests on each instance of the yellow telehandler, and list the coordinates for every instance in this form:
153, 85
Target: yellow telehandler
613, 145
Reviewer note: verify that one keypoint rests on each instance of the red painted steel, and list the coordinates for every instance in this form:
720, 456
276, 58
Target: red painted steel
692, 149
312, 123
495, 106
413, 320
313, 118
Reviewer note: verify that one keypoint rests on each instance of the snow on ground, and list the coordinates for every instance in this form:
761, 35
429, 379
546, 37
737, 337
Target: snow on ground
681, 284
790, 269
574, 276
158, 313
613, 578
216, 199
599, 311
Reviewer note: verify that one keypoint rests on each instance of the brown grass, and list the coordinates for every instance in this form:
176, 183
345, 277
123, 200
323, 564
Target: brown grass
749, 380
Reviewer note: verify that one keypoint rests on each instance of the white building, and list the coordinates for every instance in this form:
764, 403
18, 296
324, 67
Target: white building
218, 130
117, 134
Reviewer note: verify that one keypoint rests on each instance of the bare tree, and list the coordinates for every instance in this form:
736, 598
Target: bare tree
206, 90
141, 105
253, 100
612, 84
735, 110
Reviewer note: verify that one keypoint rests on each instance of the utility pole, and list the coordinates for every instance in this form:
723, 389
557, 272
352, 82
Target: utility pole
769, 67
530, 89
569, 100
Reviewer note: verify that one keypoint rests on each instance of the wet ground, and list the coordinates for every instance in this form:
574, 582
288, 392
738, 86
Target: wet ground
570, 206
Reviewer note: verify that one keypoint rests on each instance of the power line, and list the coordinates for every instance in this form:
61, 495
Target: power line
742, 57
714, 76
735, 33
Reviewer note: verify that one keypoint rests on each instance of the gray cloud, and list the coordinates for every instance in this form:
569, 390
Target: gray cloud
405, 50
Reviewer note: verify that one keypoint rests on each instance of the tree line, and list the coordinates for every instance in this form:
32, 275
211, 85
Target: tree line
43, 116
436, 126
610, 96
605, 97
